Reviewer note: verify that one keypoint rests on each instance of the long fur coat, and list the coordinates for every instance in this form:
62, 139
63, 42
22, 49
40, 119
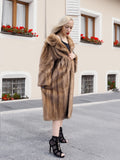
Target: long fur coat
56, 78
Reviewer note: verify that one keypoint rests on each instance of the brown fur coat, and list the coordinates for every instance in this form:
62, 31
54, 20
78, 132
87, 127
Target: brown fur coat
56, 78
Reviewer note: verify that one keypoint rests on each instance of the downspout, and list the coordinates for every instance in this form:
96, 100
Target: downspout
45, 19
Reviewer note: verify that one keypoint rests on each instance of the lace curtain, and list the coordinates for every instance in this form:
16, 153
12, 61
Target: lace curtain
90, 27
7, 12
20, 15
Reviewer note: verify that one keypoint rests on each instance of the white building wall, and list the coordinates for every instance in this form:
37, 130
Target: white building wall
21, 54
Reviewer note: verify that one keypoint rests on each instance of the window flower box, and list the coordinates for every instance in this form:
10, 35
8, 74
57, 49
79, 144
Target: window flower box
15, 96
92, 40
18, 31
116, 43
111, 85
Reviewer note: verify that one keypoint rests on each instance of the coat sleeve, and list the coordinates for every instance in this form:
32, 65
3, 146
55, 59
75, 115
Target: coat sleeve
46, 65
75, 63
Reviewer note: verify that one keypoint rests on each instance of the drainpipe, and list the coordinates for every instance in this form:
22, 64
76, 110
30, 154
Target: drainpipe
45, 19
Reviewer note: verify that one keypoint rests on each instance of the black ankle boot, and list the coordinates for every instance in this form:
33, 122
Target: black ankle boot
61, 137
55, 145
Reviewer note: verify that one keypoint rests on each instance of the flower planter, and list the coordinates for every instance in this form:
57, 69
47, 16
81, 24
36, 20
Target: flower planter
118, 46
116, 43
8, 97
17, 34
90, 42
18, 31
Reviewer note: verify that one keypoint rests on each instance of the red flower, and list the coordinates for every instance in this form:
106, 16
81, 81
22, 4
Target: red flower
92, 37
4, 98
116, 42
37, 35
5, 95
8, 26
113, 81
30, 30
16, 27
81, 35
97, 39
3, 26
21, 27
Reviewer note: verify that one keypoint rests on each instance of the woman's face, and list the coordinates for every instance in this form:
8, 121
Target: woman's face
67, 28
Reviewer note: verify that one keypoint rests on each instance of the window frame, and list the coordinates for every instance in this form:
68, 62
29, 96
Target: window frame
97, 39
12, 83
14, 12
117, 79
116, 30
91, 90
110, 79
26, 75
95, 85
86, 24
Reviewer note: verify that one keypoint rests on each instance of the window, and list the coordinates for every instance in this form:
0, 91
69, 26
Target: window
13, 85
87, 84
117, 31
87, 26
91, 30
15, 13
111, 81
18, 16
116, 34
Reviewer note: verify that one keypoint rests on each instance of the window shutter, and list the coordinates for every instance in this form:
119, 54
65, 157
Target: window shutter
73, 7
75, 33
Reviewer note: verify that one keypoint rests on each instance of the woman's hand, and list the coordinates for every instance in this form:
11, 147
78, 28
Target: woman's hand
72, 55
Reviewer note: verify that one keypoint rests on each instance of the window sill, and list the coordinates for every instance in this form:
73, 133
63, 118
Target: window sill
16, 34
90, 42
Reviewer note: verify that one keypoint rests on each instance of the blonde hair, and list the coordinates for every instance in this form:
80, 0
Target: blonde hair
61, 23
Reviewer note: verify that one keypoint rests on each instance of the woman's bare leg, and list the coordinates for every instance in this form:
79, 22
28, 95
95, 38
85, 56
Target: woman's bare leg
61, 122
55, 128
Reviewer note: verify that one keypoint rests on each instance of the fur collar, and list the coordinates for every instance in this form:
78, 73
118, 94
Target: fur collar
54, 41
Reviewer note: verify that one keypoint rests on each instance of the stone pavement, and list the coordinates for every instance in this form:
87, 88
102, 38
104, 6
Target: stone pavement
93, 130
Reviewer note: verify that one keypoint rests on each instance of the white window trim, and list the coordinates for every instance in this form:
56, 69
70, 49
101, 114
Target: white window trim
114, 20
95, 14
32, 21
93, 73
25, 75
117, 73
1, 4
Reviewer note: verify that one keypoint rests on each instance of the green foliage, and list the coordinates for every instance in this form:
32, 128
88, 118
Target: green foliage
16, 96
111, 84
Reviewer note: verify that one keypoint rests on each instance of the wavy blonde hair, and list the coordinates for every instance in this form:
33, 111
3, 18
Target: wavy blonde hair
61, 23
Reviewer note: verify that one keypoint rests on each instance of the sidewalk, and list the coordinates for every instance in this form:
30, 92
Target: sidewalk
83, 99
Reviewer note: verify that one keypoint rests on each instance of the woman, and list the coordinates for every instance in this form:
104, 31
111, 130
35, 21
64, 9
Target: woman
56, 79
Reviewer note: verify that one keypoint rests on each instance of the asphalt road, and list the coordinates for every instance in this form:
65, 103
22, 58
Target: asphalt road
93, 131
